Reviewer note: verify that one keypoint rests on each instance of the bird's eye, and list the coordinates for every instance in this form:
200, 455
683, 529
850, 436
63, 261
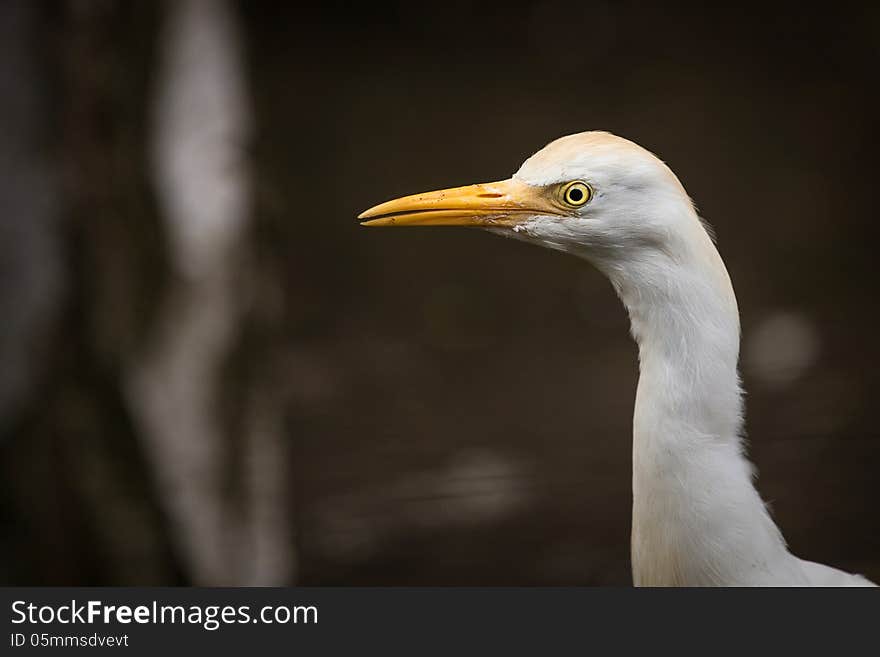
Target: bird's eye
577, 193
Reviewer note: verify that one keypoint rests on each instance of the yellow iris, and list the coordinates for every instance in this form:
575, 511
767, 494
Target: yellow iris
577, 193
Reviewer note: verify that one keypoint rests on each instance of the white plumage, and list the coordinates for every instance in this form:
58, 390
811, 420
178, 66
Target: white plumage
697, 517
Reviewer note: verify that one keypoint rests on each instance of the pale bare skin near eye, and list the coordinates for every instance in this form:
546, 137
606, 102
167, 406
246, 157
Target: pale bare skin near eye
697, 518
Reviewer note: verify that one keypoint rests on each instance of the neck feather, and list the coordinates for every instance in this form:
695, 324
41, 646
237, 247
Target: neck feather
697, 518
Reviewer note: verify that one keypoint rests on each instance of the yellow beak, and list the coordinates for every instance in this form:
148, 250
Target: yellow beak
504, 203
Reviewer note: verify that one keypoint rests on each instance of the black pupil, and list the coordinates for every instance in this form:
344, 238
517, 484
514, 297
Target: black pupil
576, 195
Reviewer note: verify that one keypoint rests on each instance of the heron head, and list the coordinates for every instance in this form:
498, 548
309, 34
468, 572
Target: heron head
592, 193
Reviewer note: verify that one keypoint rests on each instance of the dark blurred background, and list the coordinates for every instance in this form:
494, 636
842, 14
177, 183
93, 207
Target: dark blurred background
210, 374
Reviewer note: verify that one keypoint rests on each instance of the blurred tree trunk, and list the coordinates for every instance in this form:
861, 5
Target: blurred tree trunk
214, 434
142, 439
81, 504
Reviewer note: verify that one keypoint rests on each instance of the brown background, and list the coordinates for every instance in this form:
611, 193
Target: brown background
457, 407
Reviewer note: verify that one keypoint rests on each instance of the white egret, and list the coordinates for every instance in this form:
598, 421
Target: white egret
697, 518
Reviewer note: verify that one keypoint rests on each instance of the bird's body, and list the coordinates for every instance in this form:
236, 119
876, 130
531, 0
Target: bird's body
697, 517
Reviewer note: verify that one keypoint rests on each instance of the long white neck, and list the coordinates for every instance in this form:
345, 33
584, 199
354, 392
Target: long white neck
697, 518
